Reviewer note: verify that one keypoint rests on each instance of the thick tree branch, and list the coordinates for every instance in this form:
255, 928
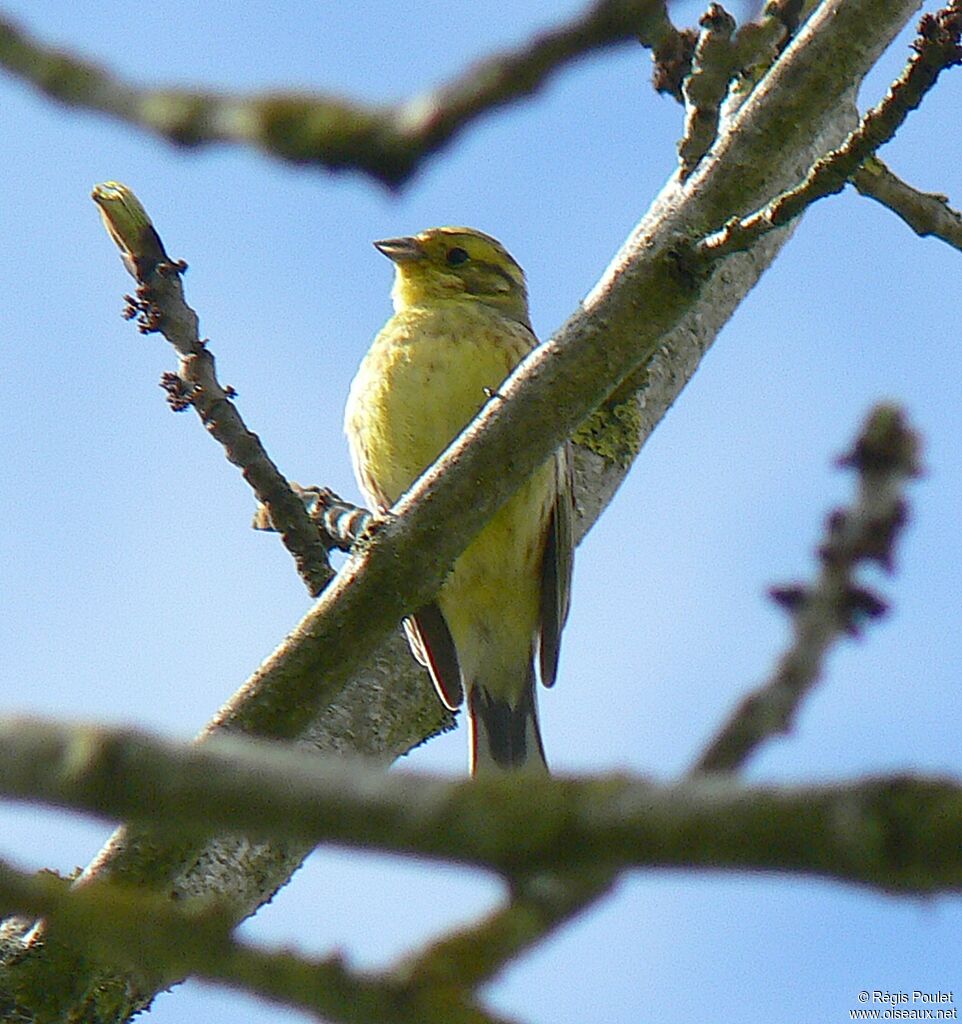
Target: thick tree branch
553, 390
387, 143
836, 604
899, 833
144, 933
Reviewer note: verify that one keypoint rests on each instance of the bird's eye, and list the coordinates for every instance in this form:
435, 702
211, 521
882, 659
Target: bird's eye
456, 256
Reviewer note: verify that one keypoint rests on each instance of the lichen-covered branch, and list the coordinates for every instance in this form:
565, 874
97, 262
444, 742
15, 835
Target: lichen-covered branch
137, 931
388, 143
836, 603
898, 833
926, 213
160, 306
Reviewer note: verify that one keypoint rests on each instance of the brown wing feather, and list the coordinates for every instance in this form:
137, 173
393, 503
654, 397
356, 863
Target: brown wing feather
431, 644
427, 632
556, 568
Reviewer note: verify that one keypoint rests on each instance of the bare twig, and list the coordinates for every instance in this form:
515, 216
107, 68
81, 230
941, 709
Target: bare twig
160, 306
926, 213
755, 46
885, 457
713, 66
387, 143
936, 48
538, 906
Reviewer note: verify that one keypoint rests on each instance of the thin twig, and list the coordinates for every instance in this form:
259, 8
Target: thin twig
936, 48
387, 143
537, 907
160, 306
926, 213
713, 66
836, 604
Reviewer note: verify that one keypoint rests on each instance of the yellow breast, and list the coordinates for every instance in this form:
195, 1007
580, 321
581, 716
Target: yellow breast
428, 373
426, 376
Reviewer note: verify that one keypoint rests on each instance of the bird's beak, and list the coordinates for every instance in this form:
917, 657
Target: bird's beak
401, 250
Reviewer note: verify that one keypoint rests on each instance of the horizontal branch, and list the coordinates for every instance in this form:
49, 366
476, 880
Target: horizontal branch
388, 143
899, 833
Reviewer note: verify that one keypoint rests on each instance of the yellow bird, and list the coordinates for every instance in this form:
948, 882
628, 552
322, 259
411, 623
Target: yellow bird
459, 328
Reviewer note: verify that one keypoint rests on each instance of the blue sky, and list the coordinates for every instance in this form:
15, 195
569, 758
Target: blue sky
135, 593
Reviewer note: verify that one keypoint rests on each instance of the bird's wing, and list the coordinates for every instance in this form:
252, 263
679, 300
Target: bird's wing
427, 632
431, 644
556, 567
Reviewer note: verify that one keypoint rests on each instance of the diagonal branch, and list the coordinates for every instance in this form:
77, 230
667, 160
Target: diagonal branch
160, 306
936, 49
926, 213
145, 933
387, 143
885, 456
537, 906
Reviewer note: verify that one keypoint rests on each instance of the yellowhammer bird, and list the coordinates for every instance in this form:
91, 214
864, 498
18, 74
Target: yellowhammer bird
459, 328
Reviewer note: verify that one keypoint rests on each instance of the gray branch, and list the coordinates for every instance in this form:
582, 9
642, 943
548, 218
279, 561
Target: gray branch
389, 143
897, 833
928, 214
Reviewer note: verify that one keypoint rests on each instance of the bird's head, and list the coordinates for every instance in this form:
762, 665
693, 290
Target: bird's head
456, 263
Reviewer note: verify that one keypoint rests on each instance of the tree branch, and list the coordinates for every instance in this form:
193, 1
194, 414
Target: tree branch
147, 934
704, 89
387, 143
160, 306
898, 833
885, 456
936, 48
926, 213
537, 905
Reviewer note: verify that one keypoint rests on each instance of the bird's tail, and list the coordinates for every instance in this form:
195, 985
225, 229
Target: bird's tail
504, 736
